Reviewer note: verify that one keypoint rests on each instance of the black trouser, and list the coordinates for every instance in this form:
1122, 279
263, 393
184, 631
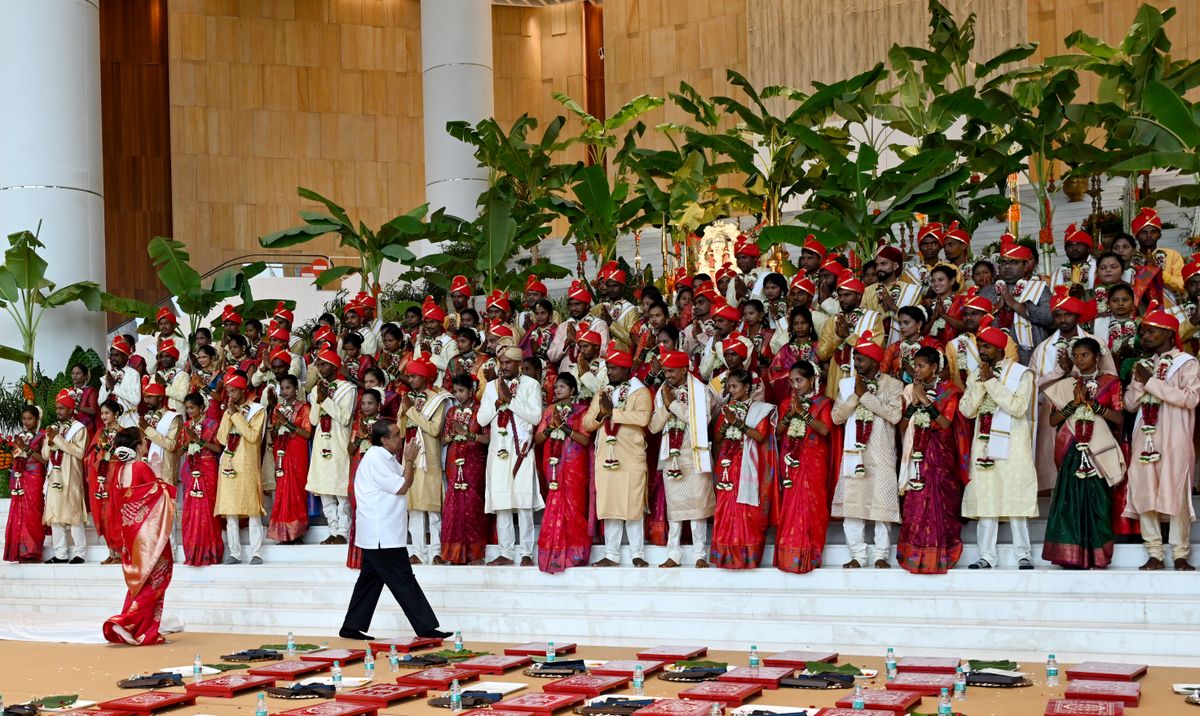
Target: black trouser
390, 567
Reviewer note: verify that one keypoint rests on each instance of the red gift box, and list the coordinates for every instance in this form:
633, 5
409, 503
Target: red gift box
495, 712
929, 664
1127, 692
290, 670
898, 702
726, 692
406, 645
380, 695
851, 712
438, 677
328, 656
673, 653
675, 707
149, 702
625, 667
494, 663
333, 708
95, 712
586, 684
922, 683
1106, 671
538, 648
228, 685
1079, 707
540, 703
799, 659
767, 676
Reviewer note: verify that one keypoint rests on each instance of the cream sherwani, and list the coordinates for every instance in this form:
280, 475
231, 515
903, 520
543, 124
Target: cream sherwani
127, 391
426, 417
861, 320
1007, 489
620, 465
512, 484
65, 504
239, 478
687, 476
329, 469
620, 316
162, 430
561, 353
177, 385
1162, 489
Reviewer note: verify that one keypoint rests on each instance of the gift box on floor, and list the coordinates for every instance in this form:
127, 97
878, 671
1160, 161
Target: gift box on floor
929, 664
926, 684
767, 676
333, 708
538, 648
381, 695
1106, 671
625, 667
149, 702
1127, 692
1077, 707
587, 684
438, 677
726, 692
540, 703
675, 707
290, 670
328, 656
798, 659
495, 663
673, 653
898, 702
229, 685
404, 646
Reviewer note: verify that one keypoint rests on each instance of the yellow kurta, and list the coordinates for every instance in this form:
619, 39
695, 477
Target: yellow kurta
65, 486
329, 469
426, 492
239, 474
621, 492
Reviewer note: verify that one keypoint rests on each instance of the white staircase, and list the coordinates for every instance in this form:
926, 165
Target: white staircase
1119, 612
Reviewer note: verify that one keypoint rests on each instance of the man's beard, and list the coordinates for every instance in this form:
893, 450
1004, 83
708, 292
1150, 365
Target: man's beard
884, 277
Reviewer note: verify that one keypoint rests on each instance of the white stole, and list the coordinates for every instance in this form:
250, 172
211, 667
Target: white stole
851, 455
1022, 326
697, 426
910, 295
154, 456
748, 486
968, 349
1001, 431
427, 411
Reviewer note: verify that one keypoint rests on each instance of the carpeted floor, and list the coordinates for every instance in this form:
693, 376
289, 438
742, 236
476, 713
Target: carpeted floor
32, 669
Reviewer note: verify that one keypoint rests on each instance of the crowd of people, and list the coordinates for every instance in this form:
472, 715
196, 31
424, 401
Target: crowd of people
921, 393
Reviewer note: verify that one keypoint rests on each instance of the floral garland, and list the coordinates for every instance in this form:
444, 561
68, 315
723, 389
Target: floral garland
732, 431
326, 424
26, 438
987, 411
1085, 427
864, 425
1121, 334
676, 429
56, 458
939, 323
558, 437
104, 443
922, 422
539, 340
1151, 407
1101, 296
459, 419
797, 428
195, 443
1064, 274
504, 417
619, 395
234, 441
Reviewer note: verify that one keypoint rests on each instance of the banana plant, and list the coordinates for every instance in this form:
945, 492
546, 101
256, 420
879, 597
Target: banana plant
26, 294
602, 210
1170, 138
374, 247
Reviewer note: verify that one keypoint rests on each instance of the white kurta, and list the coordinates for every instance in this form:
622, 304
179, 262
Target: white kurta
509, 486
128, 392
1009, 487
329, 470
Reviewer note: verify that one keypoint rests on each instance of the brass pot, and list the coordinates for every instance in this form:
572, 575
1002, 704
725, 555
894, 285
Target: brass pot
1075, 187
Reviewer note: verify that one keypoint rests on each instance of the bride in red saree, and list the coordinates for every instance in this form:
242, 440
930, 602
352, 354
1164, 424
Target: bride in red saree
147, 509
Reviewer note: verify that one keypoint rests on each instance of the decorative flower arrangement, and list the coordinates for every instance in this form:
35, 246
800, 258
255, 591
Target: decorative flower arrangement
864, 424
1151, 407
987, 411
922, 421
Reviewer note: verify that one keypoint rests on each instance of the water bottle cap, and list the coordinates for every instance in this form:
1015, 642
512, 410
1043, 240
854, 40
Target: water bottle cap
1052, 656
945, 691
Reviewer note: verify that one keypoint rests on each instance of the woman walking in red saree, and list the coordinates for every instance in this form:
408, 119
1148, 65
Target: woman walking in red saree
464, 523
24, 534
147, 509
932, 468
745, 476
200, 527
804, 467
566, 463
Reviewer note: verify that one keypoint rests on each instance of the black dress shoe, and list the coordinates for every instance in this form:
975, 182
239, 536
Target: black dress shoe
435, 634
76, 560
352, 634
56, 560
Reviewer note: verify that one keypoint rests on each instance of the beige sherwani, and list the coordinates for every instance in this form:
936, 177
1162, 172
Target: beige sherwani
239, 475
65, 486
163, 456
830, 343
875, 494
1009, 488
689, 492
427, 414
178, 385
620, 317
329, 471
1163, 489
621, 492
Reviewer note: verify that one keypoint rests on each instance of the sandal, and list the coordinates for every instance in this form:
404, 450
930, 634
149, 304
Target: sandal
158, 680
421, 661
301, 691
253, 655
613, 706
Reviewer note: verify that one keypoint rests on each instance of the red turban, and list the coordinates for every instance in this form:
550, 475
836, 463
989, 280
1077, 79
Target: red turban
588, 336
430, 311
1158, 318
152, 388
1063, 300
281, 354
850, 283
460, 284
533, 284
501, 330
421, 367
804, 283
1010, 249
618, 358
724, 310
891, 253
611, 272
228, 315
933, 229
975, 302
1190, 269
233, 380
867, 347
330, 356
674, 359
1078, 236
278, 333
64, 398
736, 343
282, 311
120, 344
499, 300
167, 345
707, 292
991, 335
579, 292
746, 247
956, 233
166, 312
1146, 217
811, 244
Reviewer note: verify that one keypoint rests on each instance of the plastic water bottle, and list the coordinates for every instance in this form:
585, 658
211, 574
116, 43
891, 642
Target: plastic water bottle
336, 672
1051, 671
291, 645
639, 680
550, 655
944, 707
261, 708
859, 702
369, 665
393, 660
960, 684
458, 643
455, 696
889, 662
197, 668
715, 710
754, 662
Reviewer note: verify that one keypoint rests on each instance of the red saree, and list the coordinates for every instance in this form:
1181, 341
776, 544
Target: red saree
804, 468
741, 517
202, 543
564, 540
464, 523
147, 508
776, 377
99, 468
289, 513
24, 534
